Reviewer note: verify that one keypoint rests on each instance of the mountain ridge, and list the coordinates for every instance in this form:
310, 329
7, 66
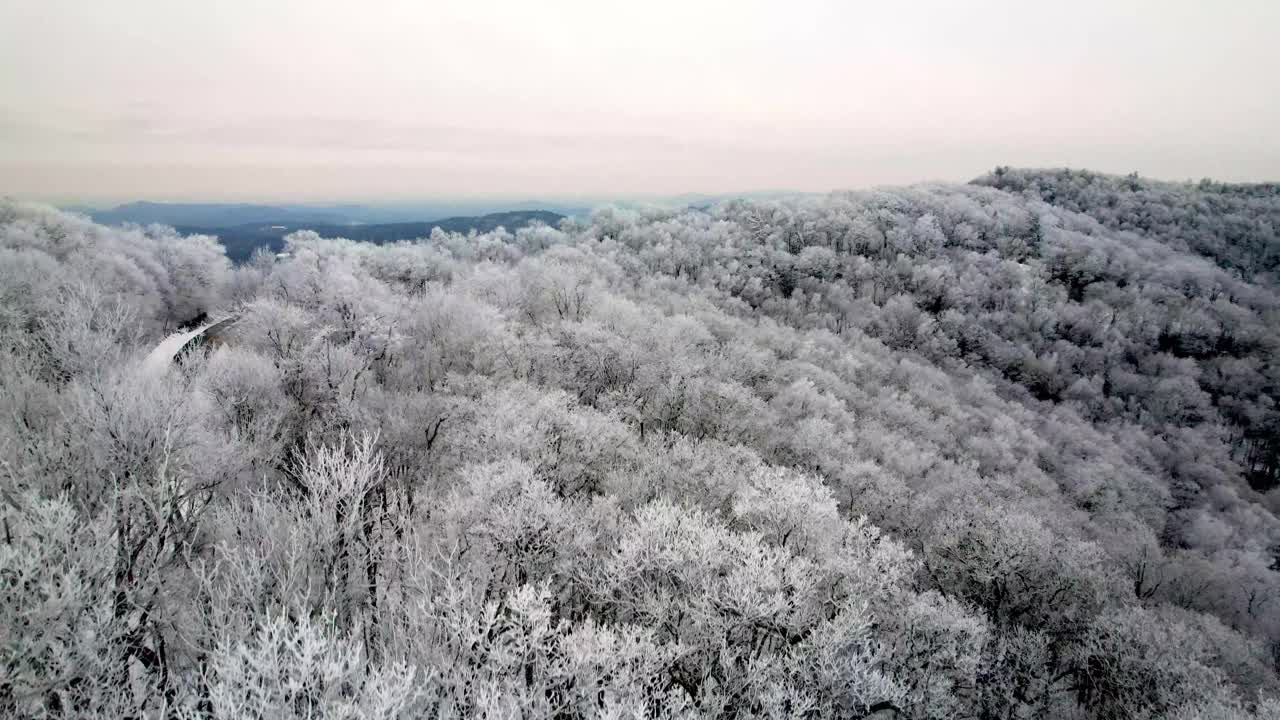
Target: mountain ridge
242, 240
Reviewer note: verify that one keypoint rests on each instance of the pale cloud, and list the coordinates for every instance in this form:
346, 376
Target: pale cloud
292, 99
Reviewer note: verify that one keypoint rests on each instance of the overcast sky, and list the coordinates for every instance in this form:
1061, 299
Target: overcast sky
324, 99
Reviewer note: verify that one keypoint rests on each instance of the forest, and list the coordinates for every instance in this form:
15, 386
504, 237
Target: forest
999, 450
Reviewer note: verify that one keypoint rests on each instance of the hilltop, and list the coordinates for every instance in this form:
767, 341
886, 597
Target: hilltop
1001, 449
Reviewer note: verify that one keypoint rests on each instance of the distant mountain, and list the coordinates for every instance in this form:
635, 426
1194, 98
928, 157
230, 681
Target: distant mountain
222, 215
242, 240
234, 215
382, 214
212, 215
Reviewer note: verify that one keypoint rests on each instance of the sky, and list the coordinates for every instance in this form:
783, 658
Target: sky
311, 100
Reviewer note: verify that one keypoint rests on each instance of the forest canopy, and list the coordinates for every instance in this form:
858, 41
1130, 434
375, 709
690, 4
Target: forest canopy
1008, 449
